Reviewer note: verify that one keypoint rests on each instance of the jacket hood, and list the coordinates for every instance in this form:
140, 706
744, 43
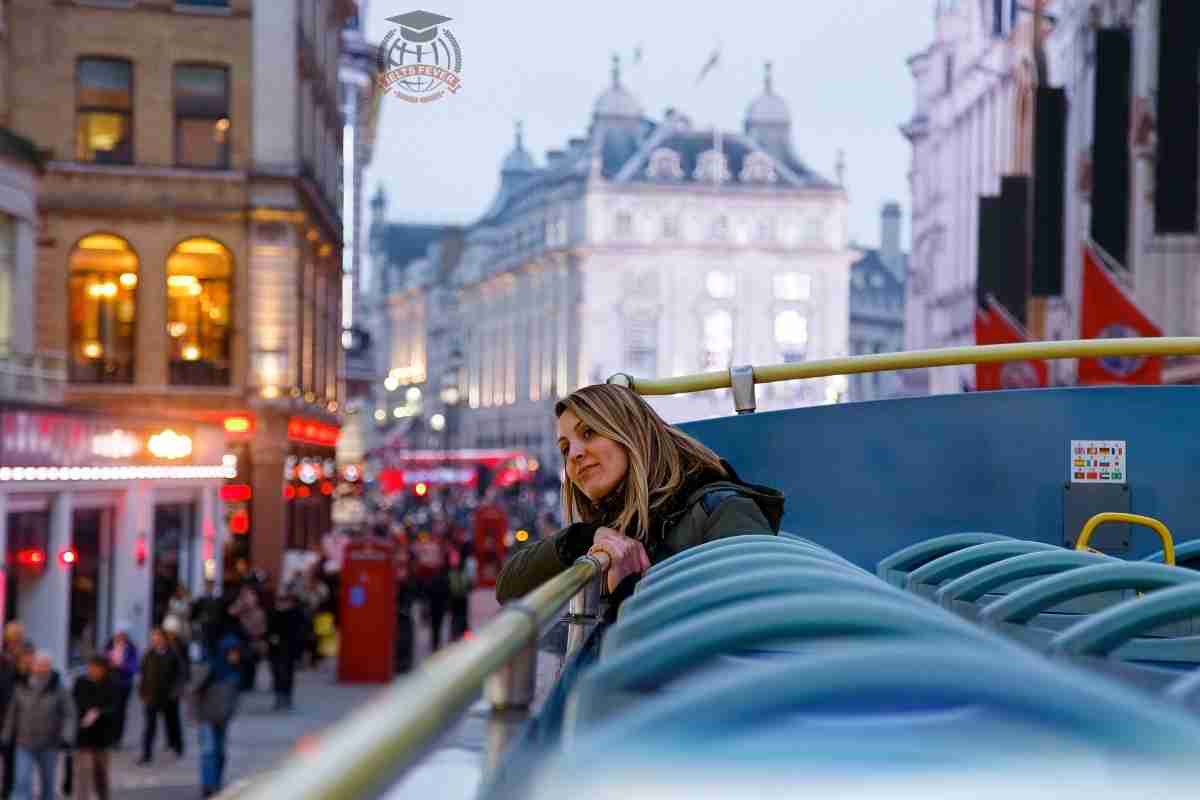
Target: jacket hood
769, 501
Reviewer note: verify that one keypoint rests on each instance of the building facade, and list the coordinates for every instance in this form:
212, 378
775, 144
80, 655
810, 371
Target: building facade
188, 252
877, 308
651, 247
987, 120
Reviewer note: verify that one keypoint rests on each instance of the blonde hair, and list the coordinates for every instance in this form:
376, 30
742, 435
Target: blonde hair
662, 459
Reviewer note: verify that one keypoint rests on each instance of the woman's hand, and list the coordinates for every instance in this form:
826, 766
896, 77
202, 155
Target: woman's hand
626, 556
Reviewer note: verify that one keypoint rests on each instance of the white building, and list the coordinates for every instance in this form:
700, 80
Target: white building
651, 247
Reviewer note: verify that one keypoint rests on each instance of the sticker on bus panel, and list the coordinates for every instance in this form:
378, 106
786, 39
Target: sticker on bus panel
1097, 461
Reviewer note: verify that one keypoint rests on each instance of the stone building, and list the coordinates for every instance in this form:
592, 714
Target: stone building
647, 246
877, 308
188, 249
1109, 90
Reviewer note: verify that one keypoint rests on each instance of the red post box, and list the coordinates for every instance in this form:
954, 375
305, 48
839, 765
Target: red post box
366, 642
491, 526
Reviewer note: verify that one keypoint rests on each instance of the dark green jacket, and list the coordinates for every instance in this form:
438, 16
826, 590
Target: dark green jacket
713, 511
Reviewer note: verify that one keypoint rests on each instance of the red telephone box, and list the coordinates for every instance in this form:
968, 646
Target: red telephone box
491, 526
366, 642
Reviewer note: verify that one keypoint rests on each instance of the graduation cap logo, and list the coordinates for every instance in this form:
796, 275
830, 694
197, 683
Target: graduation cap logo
420, 59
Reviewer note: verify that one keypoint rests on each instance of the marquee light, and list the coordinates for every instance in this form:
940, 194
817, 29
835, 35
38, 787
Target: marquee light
68, 557
238, 424
14, 474
170, 445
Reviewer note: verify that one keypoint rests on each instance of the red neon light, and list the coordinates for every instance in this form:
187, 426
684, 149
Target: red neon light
239, 522
303, 492
326, 488
235, 492
30, 557
311, 431
140, 551
289, 492
68, 557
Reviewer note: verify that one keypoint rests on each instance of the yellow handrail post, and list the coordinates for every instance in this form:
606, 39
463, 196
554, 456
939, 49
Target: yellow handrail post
1136, 519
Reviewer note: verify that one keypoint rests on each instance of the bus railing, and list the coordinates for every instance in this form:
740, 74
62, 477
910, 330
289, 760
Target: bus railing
389, 735
742, 379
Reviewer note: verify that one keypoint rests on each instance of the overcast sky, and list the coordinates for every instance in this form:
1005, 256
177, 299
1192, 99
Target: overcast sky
839, 64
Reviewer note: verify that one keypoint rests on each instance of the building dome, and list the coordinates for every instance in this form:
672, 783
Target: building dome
617, 101
768, 108
518, 159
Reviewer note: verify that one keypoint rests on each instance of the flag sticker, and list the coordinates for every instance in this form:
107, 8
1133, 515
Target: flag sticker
1096, 461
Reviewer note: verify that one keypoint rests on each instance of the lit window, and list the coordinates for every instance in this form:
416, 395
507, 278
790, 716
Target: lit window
103, 294
791, 335
793, 286
718, 339
202, 116
104, 111
720, 285
198, 313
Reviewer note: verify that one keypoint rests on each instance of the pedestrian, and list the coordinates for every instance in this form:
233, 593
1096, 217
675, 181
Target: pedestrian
123, 657
10, 677
248, 611
160, 686
178, 645
36, 721
462, 581
206, 615
96, 696
433, 577
180, 607
214, 693
286, 635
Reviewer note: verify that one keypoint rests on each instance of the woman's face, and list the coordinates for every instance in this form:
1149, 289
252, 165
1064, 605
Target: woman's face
593, 463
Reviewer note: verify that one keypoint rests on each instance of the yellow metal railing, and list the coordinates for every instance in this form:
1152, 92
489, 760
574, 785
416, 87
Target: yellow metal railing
919, 359
1136, 519
390, 734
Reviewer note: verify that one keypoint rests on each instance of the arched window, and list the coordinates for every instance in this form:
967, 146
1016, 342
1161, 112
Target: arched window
102, 287
199, 306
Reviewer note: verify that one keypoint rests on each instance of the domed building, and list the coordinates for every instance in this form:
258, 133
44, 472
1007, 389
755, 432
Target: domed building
650, 246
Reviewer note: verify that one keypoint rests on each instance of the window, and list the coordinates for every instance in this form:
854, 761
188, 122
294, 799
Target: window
791, 335
814, 231
199, 272
664, 165
670, 227
189, 4
202, 116
103, 295
7, 268
641, 344
758, 168
718, 339
624, 225
711, 167
719, 231
793, 286
720, 285
104, 111
764, 230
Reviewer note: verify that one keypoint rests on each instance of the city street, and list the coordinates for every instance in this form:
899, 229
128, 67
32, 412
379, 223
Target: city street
259, 737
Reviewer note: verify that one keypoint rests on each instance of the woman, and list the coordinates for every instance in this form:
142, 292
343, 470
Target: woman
637, 489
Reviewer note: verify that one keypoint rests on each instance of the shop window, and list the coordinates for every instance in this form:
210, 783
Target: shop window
28, 539
104, 111
91, 582
173, 551
202, 116
199, 303
103, 295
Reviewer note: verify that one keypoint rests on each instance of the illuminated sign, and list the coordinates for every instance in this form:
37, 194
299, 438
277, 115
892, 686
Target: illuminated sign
311, 431
235, 492
116, 444
170, 445
239, 424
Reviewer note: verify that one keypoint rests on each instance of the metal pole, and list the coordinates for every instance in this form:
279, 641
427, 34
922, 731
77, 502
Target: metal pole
583, 612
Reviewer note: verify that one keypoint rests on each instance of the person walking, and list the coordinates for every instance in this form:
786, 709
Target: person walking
123, 658
207, 614
462, 581
248, 611
11, 676
214, 692
160, 685
177, 644
36, 721
286, 639
96, 696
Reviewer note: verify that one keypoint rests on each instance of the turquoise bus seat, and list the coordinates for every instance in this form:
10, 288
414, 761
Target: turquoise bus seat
895, 568
925, 579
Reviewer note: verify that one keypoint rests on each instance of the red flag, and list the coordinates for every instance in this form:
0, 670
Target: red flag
994, 325
1110, 313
